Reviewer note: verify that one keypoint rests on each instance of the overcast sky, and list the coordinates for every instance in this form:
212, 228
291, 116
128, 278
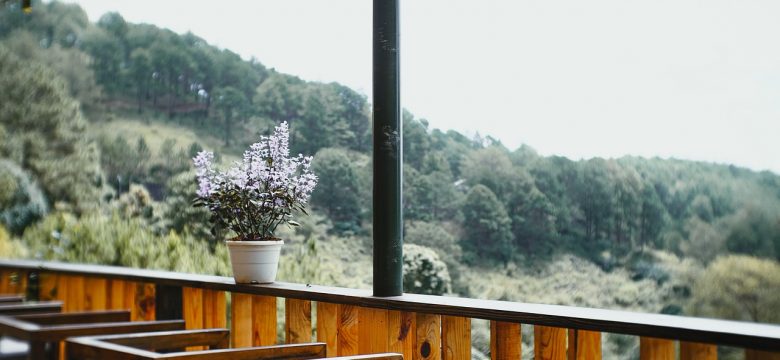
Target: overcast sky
692, 79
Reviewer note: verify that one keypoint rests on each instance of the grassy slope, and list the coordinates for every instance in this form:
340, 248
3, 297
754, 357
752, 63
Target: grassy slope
155, 133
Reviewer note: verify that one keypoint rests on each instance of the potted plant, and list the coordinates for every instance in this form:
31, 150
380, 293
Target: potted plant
254, 197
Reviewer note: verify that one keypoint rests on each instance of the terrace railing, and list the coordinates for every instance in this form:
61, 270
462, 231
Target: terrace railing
352, 321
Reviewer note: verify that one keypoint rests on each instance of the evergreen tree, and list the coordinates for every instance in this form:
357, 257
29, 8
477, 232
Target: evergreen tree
487, 227
43, 133
337, 192
234, 107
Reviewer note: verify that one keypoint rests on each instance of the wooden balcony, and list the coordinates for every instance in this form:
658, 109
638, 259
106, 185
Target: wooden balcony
353, 321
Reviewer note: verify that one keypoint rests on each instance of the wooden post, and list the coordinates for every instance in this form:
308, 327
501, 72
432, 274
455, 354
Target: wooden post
505, 341
751, 354
146, 302
584, 345
5, 282
348, 330
373, 331
402, 326
327, 326
549, 343
697, 351
116, 295
455, 337
48, 286
428, 337
192, 308
130, 301
372, 326
18, 282
75, 298
241, 320
297, 321
656, 349
263, 320
214, 309
96, 290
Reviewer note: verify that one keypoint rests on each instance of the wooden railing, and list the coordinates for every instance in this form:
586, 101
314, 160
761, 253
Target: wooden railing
352, 321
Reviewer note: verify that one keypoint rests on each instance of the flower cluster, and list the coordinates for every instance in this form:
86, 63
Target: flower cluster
258, 193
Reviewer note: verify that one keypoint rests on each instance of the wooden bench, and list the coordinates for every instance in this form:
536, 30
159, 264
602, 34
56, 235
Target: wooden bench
42, 331
11, 298
30, 307
170, 345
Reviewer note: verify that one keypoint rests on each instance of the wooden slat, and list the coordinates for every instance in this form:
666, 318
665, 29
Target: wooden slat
263, 320
192, 307
131, 299
116, 295
697, 351
583, 345
5, 282
47, 286
372, 330
192, 311
240, 320
428, 346
61, 291
656, 349
402, 326
16, 283
76, 297
96, 290
22, 283
751, 354
348, 330
549, 343
327, 326
70, 289
214, 309
146, 302
166, 340
209, 297
297, 321
504, 340
455, 337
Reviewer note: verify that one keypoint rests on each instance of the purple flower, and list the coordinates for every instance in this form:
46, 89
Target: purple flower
267, 181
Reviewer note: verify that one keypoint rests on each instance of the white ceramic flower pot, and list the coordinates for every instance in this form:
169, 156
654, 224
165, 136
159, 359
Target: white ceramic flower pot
254, 262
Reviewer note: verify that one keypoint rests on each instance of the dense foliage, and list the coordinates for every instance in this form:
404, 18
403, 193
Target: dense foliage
41, 130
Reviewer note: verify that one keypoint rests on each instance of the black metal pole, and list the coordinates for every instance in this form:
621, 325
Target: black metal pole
387, 210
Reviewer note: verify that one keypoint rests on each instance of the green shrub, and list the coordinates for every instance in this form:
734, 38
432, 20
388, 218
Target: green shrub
112, 240
424, 272
9, 248
21, 200
738, 287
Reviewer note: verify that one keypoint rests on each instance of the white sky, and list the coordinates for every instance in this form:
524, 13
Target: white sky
692, 79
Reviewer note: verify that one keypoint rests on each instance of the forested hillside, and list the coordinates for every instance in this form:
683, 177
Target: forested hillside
98, 122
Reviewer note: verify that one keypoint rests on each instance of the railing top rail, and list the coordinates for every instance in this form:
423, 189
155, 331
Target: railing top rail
723, 332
